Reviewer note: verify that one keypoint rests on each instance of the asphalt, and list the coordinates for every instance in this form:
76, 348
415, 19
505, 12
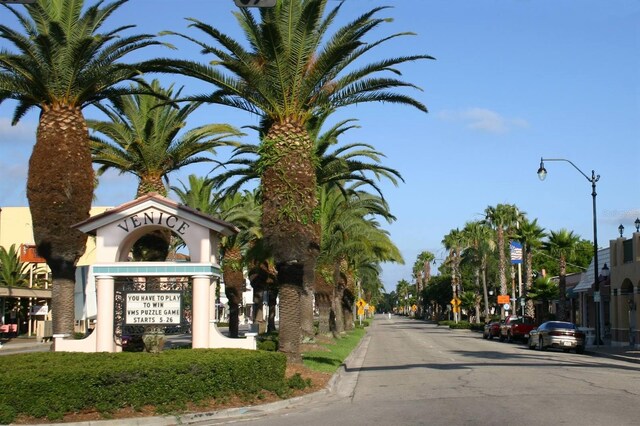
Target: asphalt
340, 385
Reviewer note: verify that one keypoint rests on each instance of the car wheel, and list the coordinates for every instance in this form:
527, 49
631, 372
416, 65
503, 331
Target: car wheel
579, 349
541, 345
532, 345
485, 336
490, 337
509, 337
501, 338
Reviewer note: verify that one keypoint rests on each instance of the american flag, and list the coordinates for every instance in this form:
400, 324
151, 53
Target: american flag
516, 252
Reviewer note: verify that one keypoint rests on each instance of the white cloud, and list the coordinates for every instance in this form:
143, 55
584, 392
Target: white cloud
483, 119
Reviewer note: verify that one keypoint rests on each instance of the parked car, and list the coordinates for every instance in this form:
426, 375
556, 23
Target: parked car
491, 330
516, 327
557, 334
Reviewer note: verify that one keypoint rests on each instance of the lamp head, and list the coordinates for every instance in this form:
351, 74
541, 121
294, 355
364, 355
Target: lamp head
637, 223
542, 172
605, 271
621, 230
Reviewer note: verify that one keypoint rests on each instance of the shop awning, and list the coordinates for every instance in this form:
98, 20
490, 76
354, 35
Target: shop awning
24, 292
587, 280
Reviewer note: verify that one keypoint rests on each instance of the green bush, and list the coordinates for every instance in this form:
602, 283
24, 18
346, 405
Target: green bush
50, 384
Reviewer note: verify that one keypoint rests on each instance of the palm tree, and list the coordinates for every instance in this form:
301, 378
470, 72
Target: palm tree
562, 244
530, 234
62, 64
480, 244
543, 290
294, 72
422, 272
142, 138
337, 167
13, 273
240, 209
455, 243
502, 218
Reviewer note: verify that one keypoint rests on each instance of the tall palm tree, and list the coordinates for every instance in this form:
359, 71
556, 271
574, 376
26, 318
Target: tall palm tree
502, 218
480, 244
422, 272
455, 243
60, 64
294, 70
142, 138
337, 167
530, 234
562, 243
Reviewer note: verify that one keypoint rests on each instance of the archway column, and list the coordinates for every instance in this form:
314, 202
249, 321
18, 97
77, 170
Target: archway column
106, 306
201, 311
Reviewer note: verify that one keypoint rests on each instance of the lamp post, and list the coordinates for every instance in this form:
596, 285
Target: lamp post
542, 174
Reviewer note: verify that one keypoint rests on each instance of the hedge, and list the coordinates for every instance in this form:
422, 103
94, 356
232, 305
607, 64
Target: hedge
51, 384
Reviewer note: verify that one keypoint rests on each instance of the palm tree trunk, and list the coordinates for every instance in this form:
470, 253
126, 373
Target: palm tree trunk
289, 330
562, 288
60, 193
502, 266
288, 221
530, 308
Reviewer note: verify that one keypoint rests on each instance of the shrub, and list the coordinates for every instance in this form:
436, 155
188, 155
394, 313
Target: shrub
50, 384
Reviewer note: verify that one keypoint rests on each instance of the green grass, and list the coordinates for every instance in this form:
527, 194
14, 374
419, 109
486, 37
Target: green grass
336, 352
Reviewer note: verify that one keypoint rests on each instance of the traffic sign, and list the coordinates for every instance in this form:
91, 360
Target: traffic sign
455, 302
360, 303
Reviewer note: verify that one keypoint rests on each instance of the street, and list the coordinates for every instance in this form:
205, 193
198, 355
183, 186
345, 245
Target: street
409, 372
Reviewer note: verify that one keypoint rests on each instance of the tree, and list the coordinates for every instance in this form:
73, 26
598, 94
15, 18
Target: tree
562, 244
13, 273
294, 71
503, 218
480, 244
454, 242
422, 272
543, 290
61, 64
142, 137
530, 234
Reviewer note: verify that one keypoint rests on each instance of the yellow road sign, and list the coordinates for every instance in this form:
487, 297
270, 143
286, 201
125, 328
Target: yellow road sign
456, 309
455, 302
360, 311
360, 303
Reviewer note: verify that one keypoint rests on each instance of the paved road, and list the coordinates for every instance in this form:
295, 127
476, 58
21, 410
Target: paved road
411, 373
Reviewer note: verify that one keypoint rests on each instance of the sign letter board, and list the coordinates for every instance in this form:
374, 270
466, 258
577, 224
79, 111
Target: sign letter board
162, 308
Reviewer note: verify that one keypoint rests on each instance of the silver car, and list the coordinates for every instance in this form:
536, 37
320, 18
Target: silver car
557, 334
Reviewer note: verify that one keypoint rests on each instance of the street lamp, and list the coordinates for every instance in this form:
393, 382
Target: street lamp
620, 230
542, 174
637, 223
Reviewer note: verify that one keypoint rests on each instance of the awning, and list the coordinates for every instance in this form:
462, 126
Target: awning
587, 279
24, 292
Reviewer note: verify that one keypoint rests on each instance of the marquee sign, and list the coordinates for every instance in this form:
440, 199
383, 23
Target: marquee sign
162, 308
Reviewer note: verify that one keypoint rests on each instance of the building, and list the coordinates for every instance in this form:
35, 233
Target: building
625, 289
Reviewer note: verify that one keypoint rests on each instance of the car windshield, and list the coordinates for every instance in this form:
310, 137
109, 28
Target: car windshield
566, 325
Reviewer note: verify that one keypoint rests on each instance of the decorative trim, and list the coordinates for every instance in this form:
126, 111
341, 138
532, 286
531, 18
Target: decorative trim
156, 269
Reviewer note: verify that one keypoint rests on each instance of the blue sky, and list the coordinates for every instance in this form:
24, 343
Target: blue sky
513, 80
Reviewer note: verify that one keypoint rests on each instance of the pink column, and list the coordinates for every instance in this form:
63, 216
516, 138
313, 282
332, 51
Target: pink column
106, 305
200, 320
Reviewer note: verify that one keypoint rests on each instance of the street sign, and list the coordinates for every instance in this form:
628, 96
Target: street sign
360, 303
503, 298
456, 309
455, 302
360, 311
255, 3
507, 306
596, 296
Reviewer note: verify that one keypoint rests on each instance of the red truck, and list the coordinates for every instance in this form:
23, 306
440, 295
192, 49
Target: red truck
516, 327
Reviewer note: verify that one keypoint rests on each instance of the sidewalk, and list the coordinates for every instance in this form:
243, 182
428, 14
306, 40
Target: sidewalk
622, 353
